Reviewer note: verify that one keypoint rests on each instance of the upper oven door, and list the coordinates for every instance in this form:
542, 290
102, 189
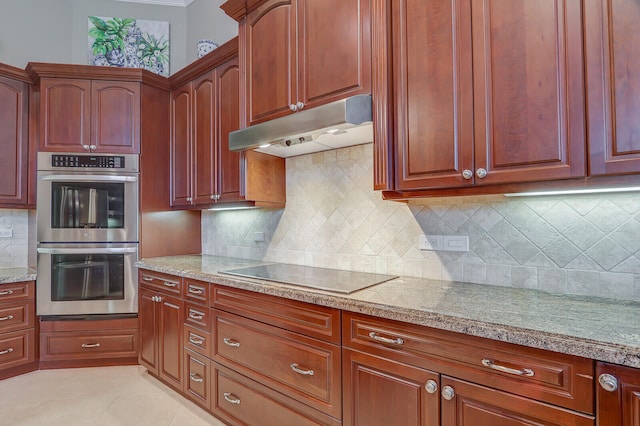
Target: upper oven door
87, 207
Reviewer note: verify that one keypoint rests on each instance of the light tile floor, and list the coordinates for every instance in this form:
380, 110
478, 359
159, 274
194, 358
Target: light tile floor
104, 396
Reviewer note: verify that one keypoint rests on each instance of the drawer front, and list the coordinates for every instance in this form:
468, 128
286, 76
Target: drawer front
88, 345
17, 291
197, 376
17, 348
17, 316
197, 316
197, 340
196, 291
307, 369
241, 401
166, 283
304, 318
559, 379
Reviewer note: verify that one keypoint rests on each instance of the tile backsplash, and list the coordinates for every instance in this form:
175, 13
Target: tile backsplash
15, 251
583, 245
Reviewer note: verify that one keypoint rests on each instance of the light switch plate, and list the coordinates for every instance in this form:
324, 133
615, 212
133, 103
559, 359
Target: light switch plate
456, 243
430, 242
6, 232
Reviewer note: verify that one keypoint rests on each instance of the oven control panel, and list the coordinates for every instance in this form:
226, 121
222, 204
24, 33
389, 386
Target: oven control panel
97, 161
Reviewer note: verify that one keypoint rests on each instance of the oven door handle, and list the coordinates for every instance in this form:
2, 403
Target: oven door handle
87, 250
90, 178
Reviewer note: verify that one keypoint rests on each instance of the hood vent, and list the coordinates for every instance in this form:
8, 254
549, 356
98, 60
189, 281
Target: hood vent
336, 125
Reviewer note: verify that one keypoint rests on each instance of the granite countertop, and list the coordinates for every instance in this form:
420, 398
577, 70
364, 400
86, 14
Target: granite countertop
15, 275
602, 329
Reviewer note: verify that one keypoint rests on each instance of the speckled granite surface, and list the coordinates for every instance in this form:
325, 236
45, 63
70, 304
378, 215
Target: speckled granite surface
602, 329
14, 275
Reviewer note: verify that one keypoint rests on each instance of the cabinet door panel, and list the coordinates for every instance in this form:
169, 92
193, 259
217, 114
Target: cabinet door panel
170, 340
115, 113
336, 63
13, 141
613, 86
528, 90
622, 406
203, 156
181, 146
148, 355
228, 110
270, 60
433, 92
65, 111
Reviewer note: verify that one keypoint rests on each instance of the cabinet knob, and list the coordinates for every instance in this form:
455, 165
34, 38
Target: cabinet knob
85, 147
293, 107
608, 382
481, 173
448, 393
215, 197
299, 106
431, 386
467, 174
189, 199
93, 147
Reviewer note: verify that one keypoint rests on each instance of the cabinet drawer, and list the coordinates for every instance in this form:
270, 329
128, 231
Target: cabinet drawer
17, 348
197, 316
196, 291
559, 379
241, 401
197, 376
311, 320
197, 340
17, 316
17, 291
88, 345
162, 282
307, 369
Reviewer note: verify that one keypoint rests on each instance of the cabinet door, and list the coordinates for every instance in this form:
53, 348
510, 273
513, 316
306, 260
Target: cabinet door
620, 407
181, 146
432, 92
203, 156
270, 60
475, 405
115, 112
333, 63
380, 392
228, 112
14, 160
528, 90
65, 114
148, 317
170, 340
613, 85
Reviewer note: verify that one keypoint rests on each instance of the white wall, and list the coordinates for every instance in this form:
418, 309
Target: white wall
207, 21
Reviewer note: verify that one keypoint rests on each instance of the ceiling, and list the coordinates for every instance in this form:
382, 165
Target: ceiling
182, 3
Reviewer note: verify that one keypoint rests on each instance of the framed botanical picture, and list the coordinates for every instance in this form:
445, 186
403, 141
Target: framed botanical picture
129, 42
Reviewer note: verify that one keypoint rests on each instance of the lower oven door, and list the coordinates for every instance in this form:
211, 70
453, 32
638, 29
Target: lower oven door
81, 279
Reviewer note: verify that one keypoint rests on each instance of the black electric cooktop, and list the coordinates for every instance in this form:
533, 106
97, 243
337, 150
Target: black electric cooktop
306, 276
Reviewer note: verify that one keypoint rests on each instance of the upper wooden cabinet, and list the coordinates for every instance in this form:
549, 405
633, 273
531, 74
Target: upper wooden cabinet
481, 92
613, 85
14, 140
301, 53
79, 115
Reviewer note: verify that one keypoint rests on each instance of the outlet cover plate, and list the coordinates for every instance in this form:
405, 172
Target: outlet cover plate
431, 242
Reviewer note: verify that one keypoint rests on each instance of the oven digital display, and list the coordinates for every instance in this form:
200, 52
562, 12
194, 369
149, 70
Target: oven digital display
97, 161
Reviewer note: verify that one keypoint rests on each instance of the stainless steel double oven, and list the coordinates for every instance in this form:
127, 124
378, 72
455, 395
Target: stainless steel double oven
87, 231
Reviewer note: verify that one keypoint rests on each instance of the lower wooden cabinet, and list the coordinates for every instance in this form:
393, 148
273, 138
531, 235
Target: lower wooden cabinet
197, 376
17, 328
617, 395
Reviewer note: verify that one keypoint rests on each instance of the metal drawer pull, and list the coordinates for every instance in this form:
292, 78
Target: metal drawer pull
196, 340
522, 372
295, 368
196, 378
396, 341
6, 292
231, 398
195, 290
6, 351
8, 317
91, 345
170, 284
146, 278
195, 315
231, 342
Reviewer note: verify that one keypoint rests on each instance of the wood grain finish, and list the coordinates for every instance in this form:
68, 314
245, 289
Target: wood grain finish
203, 147
149, 329
17, 329
170, 313
196, 291
24, 290
197, 340
115, 116
197, 376
181, 145
169, 284
622, 406
613, 86
17, 316
197, 316
264, 179
17, 348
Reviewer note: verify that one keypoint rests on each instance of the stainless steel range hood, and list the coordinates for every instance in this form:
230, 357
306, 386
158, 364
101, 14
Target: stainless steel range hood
336, 125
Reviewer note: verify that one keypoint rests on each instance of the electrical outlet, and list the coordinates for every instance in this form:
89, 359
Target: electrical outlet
456, 243
6, 232
430, 242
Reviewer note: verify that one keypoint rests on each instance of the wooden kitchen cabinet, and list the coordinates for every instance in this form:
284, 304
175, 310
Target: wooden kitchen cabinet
617, 395
160, 312
17, 329
80, 115
14, 137
293, 62
481, 92
613, 86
